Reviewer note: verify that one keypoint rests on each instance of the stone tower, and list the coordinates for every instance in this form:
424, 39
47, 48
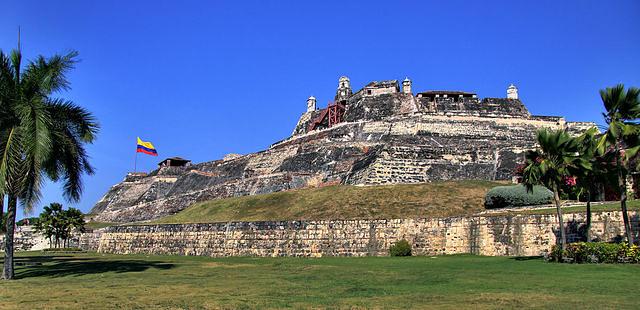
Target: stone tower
311, 104
406, 86
512, 92
344, 89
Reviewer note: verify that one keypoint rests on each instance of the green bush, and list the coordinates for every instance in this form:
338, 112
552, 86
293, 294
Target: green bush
595, 252
517, 195
400, 248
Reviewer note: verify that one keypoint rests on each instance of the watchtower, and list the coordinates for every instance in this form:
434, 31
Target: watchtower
512, 92
406, 86
311, 104
344, 90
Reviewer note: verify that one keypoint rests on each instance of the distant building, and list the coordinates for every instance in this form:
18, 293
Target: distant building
174, 162
376, 88
454, 95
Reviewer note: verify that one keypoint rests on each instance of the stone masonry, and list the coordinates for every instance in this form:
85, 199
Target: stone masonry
484, 235
386, 136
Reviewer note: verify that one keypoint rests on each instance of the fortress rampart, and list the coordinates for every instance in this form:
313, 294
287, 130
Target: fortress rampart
484, 235
381, 134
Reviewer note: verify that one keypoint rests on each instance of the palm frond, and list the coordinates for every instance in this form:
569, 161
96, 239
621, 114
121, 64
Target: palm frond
47, 76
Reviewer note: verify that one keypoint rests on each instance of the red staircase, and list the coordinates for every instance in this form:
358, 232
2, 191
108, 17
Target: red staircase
334, 112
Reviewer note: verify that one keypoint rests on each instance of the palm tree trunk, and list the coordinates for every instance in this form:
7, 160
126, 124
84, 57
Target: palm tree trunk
588, 229
622, 182
8, 272
563, 237
1, 207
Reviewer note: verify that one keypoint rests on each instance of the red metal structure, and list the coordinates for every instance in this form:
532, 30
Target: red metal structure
333, 114
336, 113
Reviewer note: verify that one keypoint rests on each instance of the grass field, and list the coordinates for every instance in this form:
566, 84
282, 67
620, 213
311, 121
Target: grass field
96, 281
437, 199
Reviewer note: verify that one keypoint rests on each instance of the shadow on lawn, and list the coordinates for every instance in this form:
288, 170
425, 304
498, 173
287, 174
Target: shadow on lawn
528, 257
60, 266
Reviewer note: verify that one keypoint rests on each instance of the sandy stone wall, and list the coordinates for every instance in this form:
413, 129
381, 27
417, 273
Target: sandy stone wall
26, 238
484, 235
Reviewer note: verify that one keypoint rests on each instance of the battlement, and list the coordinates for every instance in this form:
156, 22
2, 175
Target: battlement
378, 100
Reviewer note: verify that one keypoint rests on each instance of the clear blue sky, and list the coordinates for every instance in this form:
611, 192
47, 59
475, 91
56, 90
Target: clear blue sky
201, 79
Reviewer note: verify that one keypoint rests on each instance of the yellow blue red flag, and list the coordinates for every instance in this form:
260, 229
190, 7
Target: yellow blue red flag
146, 147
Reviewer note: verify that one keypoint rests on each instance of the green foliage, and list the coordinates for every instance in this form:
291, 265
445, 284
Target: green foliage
58, 224
28, 221
596, 252
557, 158
622, 112
41, 136
400, 248
517, 195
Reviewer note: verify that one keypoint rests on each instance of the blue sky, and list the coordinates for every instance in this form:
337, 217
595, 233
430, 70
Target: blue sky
201, 79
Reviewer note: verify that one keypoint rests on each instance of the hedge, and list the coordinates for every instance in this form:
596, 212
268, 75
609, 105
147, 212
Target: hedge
517, 195
595, 252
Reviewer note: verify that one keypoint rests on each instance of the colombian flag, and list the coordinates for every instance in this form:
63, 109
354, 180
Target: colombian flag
146, 147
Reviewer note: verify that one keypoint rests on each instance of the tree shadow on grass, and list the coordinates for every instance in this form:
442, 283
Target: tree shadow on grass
527, 257
62, 266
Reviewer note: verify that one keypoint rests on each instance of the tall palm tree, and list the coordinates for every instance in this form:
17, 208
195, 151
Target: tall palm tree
622, 135
598, 175
556, 159
40, 135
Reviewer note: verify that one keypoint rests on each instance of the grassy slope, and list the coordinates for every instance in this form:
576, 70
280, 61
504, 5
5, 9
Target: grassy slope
95, 281
345, 202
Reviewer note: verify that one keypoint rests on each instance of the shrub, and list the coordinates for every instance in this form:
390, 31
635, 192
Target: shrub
400, 248
595, 252
517, 195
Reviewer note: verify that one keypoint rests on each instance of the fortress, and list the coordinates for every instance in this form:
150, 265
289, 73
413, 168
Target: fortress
381, 134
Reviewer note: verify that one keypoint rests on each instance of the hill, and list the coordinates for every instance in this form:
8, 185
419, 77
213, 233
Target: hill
377, 135
448, 198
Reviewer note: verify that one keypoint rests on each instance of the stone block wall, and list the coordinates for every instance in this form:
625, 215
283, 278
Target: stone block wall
483, 235
26, 238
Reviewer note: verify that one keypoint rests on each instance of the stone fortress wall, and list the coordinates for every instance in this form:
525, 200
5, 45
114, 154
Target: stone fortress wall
497, 235
26, 238
386, 135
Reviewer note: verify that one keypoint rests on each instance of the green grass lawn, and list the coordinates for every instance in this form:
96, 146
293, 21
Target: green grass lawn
435, 199
95, 281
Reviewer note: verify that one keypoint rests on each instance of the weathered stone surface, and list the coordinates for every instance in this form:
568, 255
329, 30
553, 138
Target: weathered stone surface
483, 235
26, 238
387, 137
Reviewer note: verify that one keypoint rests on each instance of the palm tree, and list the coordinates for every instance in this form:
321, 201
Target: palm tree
590, 179
555, 160
40, 135
622, 136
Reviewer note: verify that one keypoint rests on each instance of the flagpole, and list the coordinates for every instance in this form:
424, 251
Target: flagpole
135, 161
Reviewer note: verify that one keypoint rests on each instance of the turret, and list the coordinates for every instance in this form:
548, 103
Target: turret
406, 86
344, 89
311, 104
512, 92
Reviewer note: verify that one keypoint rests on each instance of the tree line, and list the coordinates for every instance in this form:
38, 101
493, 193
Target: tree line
58, 225
591, 159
